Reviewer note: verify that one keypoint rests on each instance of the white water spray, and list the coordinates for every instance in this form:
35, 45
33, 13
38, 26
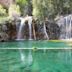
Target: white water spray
68, 27
19, 35
29, 19
30, 27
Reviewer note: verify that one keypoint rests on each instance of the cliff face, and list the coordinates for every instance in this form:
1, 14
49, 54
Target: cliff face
6, 3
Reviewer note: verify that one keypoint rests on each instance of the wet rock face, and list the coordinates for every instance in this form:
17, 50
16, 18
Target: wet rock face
3, 34
39, 32
11, 30
7, 31
53, 30
4, 28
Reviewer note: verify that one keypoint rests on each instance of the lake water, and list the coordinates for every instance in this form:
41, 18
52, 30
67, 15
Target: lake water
37, 56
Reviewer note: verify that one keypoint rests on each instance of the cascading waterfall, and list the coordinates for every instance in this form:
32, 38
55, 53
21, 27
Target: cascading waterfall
30, 27
65, 24
68, 27
19, 35
46, 35
29, 19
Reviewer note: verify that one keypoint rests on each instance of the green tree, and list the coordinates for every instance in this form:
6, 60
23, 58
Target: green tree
24, 6
43, 8
14, 10
51, 8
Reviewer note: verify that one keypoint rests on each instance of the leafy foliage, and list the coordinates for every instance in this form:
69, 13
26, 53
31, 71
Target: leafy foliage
14, 9
21, 2
51, 8
2, 11
23, 6
43, 8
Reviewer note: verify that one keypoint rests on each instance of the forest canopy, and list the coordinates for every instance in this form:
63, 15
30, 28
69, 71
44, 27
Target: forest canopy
43, 8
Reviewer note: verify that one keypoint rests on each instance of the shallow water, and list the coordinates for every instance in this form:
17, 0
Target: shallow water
33, 44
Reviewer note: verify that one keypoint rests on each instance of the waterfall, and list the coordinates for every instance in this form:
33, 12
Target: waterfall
19, 35
29, 19
46, 35
30, 27
68, 27
65, 24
